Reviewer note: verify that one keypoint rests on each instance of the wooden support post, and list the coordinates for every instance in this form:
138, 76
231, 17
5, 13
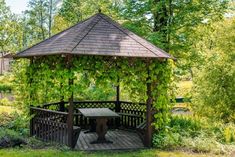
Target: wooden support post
70, 109
62, 107
149, 127
117, 105
31, 123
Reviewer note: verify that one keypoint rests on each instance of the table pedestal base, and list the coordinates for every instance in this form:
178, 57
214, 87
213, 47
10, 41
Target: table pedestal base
101, 130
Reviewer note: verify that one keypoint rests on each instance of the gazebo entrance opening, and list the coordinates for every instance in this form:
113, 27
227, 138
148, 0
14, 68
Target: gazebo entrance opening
101, 49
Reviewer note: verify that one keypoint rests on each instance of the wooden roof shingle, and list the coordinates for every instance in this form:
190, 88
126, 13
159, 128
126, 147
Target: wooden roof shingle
98, 35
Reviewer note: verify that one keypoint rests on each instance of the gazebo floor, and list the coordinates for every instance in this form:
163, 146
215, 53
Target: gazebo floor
122, 140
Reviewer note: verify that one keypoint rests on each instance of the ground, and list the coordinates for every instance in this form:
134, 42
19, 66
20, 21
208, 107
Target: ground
58, 153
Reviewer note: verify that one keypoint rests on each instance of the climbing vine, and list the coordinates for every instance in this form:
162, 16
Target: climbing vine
46, 79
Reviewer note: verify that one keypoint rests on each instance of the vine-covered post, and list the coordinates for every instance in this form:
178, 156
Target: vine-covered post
71, 106
30, 97
149, 128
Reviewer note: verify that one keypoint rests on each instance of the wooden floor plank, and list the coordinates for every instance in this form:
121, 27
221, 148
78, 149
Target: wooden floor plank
122, 140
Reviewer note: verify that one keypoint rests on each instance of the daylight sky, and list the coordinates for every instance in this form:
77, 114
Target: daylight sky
17, 6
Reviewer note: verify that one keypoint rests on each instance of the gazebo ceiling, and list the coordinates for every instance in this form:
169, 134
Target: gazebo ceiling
98, 35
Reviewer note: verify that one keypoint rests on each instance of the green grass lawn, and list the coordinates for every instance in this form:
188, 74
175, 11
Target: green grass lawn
58, 153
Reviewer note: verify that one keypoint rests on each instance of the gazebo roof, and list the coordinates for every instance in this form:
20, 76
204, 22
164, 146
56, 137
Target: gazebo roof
98, 35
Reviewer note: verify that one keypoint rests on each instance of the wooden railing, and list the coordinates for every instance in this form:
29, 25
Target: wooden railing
131, 114
49, 125
50, 121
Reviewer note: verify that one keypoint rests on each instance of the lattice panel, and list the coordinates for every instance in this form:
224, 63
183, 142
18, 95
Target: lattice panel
133, 107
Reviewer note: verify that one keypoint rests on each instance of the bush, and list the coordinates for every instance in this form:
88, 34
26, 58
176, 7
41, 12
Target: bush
5, 83
229, 133
214, 83
186, 125
5, 102
202, 143
197, 135
10, 138
167, 140
15, 121
10, 133
5, 88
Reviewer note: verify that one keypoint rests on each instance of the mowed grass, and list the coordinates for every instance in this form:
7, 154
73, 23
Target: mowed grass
58, 153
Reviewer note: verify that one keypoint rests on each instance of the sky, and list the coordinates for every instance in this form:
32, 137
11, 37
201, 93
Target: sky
17, 6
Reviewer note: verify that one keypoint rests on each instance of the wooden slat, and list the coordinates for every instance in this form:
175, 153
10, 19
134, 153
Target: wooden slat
122, 140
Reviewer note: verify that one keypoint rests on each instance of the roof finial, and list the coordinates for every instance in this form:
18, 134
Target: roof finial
99, 10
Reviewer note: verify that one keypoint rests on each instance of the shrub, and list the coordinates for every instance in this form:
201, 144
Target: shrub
5, 102
229, 134
196, 134
15, 121
10, 138
6, 83
202, 143
167, 140
5, 88
186, 125
7, 132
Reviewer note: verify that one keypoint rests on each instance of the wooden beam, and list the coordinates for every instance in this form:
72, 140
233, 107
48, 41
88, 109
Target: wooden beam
70, 107
149, 127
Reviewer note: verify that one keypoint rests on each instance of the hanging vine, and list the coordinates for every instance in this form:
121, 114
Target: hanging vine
46, 80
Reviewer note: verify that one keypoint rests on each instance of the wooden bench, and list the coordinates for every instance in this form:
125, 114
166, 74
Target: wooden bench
130, 115
76, 132
141, 128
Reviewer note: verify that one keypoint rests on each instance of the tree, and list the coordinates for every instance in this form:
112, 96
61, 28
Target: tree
214, 90
10, 30
73, 11
37, 21
38, 17
172, 24
52, 10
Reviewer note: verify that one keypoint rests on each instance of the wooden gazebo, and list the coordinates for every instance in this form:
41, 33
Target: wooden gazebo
99, 35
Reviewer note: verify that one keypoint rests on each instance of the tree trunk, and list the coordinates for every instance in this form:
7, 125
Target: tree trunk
160, 17
41, 20
50, 17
